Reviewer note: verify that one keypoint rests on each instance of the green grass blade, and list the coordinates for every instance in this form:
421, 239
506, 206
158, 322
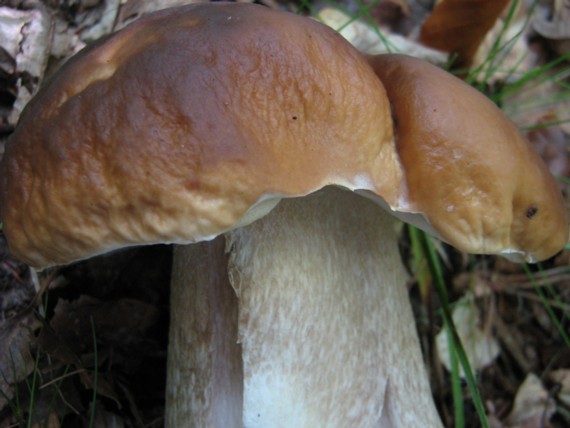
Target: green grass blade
557, 322
95, 376
439, 283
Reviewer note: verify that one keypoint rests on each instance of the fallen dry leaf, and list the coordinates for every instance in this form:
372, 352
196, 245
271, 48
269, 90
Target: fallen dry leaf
552, 21
367, 40
98, 20
106, 419
117, 324
514, 59
16, 360
132, 10
562, 377
25, 40
481, 348
533, 406
551, 143
52, 422
459, 26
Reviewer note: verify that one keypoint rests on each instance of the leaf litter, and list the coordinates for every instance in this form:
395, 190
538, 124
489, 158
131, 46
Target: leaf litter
120, 302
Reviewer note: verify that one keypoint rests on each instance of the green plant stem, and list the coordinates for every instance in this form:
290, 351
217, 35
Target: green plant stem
95, 376
548, 307
439, 282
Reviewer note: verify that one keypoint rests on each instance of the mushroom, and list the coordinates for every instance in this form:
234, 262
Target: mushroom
468, 169
263, 144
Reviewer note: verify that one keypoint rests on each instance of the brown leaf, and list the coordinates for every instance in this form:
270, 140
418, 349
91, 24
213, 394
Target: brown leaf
105, 419
104, 385
562, 377
480, 346
551, 144
52, 422
16, 360
552, 21
459, 26
119, 328
25, 41
56, 348
134, 9
366, 39
533, 406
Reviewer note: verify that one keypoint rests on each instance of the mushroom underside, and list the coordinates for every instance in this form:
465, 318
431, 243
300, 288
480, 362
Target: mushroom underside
301, 319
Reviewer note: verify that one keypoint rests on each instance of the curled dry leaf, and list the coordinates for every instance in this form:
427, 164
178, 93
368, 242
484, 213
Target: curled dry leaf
119, 328
132, 10
481, 348
16, 361
25, 38
478, 282
552, 21
551, 143
367, 40
514, 55
471, 29
104, 385
459, 26
562, 378
106, 419
52, 421
533, 405
400, 16
117, 324
16, 286
100, 21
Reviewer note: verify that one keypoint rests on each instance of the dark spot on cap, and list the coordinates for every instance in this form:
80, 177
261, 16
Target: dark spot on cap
531, 212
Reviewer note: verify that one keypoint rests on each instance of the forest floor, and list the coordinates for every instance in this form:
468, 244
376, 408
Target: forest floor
85, 345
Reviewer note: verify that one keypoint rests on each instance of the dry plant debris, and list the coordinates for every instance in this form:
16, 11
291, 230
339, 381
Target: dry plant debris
533, 405
25, 35
119, 302
365, 38
459, 27
552, 21
481, 347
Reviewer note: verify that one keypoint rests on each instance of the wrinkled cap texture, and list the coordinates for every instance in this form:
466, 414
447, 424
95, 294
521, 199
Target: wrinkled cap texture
171, 129
468, 168
198, 119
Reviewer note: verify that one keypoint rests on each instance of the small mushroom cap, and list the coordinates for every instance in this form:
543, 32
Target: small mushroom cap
172, 129
468, 169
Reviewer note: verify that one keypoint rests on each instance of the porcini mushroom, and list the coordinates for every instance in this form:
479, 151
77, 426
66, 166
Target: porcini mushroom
480, 185
236, 121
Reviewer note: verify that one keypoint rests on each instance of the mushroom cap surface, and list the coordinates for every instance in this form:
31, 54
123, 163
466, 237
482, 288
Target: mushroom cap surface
468, 168
198, 119
173, 128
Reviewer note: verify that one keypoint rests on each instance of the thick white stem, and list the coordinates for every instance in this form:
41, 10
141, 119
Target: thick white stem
327, 333
205, 376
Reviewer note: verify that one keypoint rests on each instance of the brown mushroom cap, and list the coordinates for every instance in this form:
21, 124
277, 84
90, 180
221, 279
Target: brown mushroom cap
198, 119
468, 169
173, 128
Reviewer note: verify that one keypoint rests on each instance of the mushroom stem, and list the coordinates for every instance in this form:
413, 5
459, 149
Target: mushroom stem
325, 324
205, 375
